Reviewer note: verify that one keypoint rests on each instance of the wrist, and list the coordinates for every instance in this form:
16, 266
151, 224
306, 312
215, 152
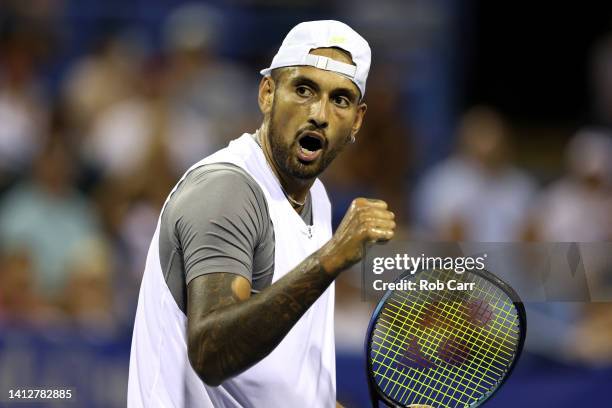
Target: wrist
330, 263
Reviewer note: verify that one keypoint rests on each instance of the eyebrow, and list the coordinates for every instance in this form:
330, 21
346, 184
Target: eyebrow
343, 91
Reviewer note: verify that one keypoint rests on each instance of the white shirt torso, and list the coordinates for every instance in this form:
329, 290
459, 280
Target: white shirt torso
299, 372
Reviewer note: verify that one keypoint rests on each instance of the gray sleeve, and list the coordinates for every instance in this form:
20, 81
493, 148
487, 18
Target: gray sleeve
219, 217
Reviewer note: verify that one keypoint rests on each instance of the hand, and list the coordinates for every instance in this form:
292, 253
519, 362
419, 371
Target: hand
366, 220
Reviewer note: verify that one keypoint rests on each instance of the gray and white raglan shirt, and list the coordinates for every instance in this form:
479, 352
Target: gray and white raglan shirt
217, 220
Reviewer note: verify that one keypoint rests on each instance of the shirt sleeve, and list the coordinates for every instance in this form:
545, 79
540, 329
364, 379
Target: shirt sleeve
219, 218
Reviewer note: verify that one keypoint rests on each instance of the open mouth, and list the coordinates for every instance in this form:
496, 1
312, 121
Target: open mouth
310, 146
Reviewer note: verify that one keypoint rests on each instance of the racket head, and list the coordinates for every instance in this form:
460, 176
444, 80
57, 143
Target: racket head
442, 341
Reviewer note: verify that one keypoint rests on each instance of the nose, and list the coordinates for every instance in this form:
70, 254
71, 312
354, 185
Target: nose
318, 114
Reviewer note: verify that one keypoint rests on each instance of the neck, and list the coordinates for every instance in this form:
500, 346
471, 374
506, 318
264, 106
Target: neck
294, 188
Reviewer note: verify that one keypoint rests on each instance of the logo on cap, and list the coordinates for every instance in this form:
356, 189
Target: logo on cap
336, 39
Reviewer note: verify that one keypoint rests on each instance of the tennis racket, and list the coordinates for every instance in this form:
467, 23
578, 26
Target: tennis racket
444, 348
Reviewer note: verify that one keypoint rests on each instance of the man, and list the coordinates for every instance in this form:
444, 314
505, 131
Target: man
236, 303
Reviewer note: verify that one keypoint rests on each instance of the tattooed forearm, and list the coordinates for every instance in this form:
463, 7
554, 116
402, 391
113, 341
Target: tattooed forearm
227, 336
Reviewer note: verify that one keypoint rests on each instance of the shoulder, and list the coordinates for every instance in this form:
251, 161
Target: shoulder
219, 173
222, 182
222, 194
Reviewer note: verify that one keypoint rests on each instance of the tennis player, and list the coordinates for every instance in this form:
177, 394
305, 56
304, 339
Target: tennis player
236, 306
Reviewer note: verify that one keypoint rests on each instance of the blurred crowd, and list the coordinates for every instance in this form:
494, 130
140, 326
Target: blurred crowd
86, 165
85, 169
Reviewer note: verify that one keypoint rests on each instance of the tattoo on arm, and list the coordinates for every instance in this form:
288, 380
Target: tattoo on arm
227, 335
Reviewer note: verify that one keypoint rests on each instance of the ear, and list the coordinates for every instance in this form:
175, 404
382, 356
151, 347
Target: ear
266, 94
361, 110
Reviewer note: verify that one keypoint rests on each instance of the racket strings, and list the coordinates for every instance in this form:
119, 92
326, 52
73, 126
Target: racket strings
445, 327
451, 340
427, 365
446, 348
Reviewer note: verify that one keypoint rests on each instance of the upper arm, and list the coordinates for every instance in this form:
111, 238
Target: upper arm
210, 292
206, 294
217, 223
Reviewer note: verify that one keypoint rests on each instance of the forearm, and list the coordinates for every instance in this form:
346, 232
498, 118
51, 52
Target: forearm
230, 339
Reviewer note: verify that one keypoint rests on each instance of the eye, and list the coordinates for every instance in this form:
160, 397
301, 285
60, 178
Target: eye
303, 90
341, 101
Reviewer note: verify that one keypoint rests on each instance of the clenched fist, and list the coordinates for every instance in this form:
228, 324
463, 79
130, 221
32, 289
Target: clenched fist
366, 220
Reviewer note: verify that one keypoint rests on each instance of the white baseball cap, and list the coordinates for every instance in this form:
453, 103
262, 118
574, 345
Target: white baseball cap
306, 36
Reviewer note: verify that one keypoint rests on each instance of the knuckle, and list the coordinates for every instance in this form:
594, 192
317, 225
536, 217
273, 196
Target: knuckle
355, 208
359, 201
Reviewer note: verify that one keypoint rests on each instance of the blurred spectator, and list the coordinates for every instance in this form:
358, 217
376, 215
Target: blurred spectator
100, 79
23, 114
592, 337
188, 102
124, 136
476, 194
578, 207
20, 304
130, 207
87, 294
48, 217
219, 91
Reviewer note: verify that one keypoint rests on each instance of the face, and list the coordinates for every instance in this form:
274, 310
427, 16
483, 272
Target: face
311, 115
